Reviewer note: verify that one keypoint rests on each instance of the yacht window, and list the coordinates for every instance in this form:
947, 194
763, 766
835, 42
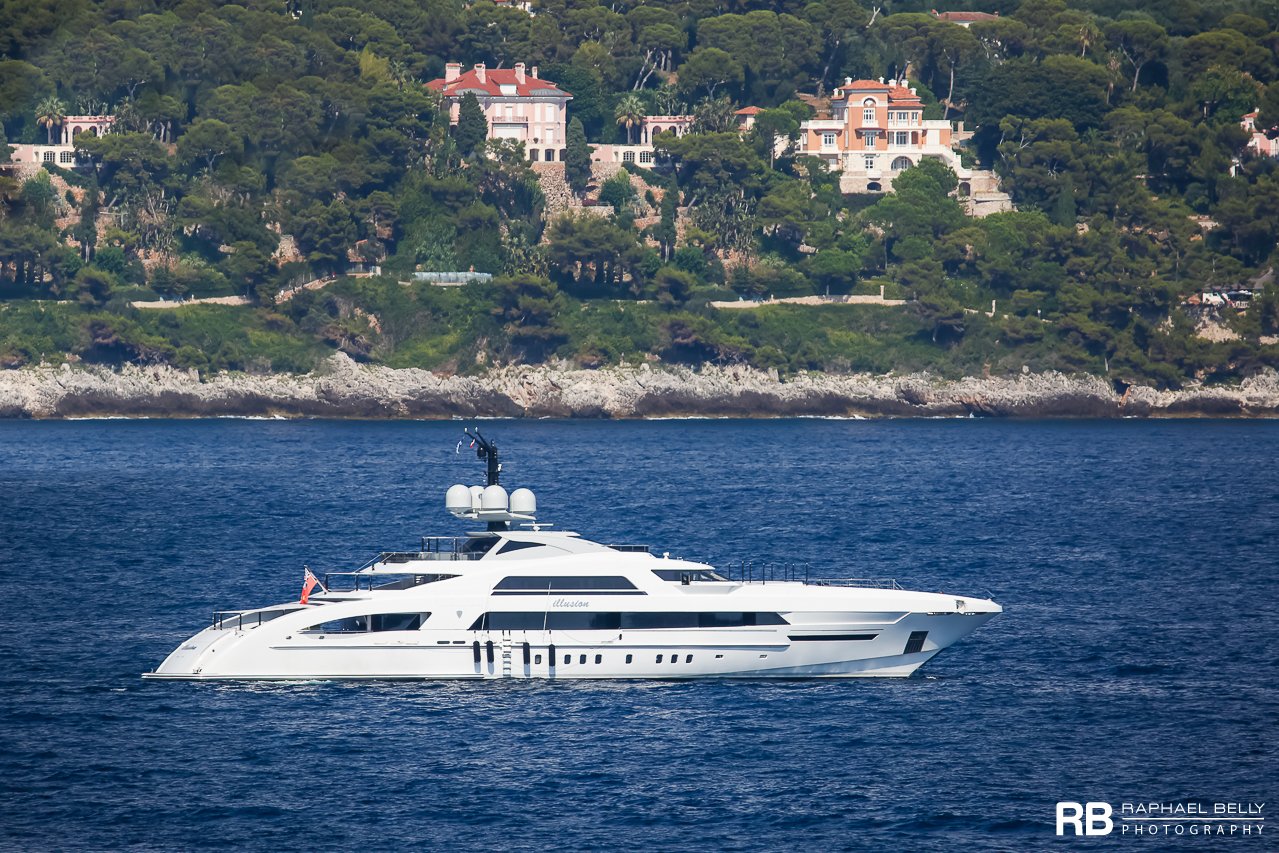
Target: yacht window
546, 584
680, 575
537, 658
599, 658
568, 658
512, 545
479, 545
509, 622
659, 658
583, 620
349, 625
688, 659
674, 658
398, 621
582, 659
630, 658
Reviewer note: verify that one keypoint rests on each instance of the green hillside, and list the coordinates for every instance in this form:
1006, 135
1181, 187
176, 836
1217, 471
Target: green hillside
1114, 125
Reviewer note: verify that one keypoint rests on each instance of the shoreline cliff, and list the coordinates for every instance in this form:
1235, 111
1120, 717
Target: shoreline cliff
344, 389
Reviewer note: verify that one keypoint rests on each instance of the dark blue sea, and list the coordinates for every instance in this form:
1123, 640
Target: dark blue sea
1137, 659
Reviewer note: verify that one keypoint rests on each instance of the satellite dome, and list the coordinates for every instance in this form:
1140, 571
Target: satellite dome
457, 499
523, 502
476, 493
493, 499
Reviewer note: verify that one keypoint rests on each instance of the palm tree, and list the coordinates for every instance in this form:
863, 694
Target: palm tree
629, 113
49, 114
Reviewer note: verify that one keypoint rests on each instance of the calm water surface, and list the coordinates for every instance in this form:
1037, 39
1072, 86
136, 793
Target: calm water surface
1137, 659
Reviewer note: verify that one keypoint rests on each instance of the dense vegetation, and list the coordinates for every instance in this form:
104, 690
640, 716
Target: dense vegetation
1114, 124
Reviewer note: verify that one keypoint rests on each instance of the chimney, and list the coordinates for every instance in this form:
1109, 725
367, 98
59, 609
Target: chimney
479, 72
912, 91
519, 73
533, 71
452, 71
881, 79
848, 81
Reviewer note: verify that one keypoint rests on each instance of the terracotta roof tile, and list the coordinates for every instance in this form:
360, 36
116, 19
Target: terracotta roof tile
494, 79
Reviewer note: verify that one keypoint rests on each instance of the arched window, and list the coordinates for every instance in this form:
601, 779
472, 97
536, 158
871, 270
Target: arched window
965, 189
563, 154
93, 131
873, 187
902, 163
66, 157
646, 157
533, 155
550, 155
76, 131
628, 156
48, 156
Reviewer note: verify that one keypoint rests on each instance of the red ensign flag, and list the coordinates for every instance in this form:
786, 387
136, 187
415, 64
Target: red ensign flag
309, 582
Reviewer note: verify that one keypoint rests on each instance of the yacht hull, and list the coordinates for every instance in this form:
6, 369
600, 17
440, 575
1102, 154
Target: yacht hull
803, 650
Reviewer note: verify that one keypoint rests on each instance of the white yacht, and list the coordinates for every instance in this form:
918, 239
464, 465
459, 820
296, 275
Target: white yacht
517, 600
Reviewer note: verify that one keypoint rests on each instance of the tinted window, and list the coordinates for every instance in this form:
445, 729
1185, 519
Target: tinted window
544, 583
350, 625
398, 621
680, 575
518, 546
582, 621
659, 620
579, 620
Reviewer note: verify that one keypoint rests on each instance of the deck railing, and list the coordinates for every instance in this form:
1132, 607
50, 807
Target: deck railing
762, 573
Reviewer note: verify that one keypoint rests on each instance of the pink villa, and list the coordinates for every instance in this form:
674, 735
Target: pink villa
650, 126
518, 104
28, 158
1258, 142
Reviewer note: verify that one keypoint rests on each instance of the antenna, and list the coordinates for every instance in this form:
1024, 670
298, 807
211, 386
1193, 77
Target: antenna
486, 450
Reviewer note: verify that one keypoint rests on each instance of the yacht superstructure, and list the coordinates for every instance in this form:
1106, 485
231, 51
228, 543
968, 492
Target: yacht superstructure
526, 602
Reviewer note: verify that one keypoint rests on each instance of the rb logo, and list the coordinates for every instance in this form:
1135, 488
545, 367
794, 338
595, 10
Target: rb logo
1087, 819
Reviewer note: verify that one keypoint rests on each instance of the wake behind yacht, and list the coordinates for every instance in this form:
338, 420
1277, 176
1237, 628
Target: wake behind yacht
517, 600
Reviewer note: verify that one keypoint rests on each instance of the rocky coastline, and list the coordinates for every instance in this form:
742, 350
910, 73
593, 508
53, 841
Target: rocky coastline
345, 389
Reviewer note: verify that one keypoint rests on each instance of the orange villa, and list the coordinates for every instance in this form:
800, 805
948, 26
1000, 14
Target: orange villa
876, 128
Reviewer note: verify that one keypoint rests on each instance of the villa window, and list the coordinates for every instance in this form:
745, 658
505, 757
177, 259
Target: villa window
871, 137
48, 156
868, 116
828, 140
646, 157
901, 163
66, 157
628, 156
870, 164
901, 137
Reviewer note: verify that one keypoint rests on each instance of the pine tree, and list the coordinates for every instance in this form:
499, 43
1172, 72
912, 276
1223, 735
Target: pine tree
472, 127
577, 158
